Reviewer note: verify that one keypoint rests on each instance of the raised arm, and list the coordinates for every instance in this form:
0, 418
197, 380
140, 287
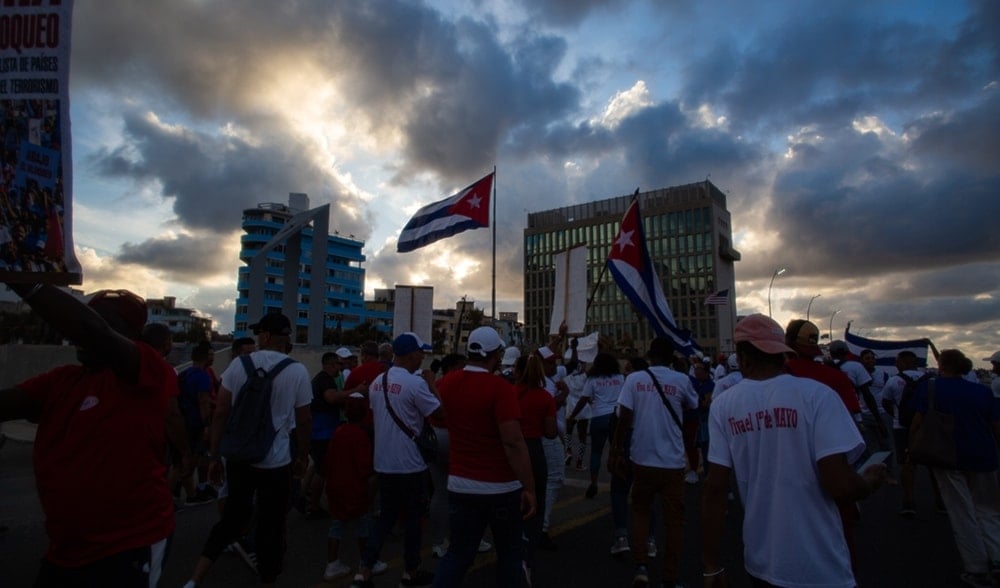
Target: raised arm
82, 325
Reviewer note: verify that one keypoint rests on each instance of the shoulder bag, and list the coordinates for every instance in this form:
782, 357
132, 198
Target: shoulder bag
933, 443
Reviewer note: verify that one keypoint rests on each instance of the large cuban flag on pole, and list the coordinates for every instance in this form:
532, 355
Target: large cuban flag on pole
885, 350
468, 209
633, 271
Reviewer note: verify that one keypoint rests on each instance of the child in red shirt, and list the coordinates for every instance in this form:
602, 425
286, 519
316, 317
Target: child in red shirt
350, 486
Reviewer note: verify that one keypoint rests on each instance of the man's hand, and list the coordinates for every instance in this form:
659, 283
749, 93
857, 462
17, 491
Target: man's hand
528, 503
876, 475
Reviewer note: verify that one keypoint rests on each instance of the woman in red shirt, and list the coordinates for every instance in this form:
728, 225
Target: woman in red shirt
538, 419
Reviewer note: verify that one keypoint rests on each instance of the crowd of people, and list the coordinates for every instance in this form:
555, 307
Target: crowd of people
478, 444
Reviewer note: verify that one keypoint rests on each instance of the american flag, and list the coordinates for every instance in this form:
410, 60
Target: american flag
719, 298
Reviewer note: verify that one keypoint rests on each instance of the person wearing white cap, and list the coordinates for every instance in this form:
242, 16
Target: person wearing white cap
401, 399
349, 360
789, 441
507, 362
490, 474
995, 362
730, 379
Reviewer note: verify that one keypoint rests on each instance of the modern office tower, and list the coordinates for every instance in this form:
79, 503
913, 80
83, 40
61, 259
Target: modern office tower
689, 238
280, 247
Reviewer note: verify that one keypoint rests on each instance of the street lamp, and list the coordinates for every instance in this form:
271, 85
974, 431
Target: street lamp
777, 272
811, 304
831, 323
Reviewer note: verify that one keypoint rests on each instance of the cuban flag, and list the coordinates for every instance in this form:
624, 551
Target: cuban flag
468, 209
629, 264
886, 351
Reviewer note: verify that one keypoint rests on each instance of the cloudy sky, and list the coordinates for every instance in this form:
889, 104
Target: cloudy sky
858, 141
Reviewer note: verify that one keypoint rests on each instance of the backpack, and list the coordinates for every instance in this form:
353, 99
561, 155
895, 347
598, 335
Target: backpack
905, 407
249, 430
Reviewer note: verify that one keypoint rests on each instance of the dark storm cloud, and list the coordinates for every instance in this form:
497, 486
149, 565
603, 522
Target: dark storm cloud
567, 12
850, 207
212, 178
451, 87
835, 63
187, 258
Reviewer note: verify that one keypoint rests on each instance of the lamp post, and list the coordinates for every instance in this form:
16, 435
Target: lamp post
811, 304
777, 272
831, 323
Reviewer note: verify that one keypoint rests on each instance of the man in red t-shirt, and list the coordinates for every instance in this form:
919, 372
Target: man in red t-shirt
803, 337
489, 472
375, 359
100, 446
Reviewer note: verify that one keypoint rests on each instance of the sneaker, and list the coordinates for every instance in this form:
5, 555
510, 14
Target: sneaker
545, 542
641, 577
976, 580
908, 512
199, 499
691, 477
620, 546
336, 569
651, 548
248, 557
440, 549
416, 578
591, 490
484, 546
579, 465
360, 582
317, 513
379, 568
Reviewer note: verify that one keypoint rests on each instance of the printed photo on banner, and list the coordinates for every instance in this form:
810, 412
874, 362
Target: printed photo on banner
36, 243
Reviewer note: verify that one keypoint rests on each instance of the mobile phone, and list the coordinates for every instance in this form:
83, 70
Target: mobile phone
877, 457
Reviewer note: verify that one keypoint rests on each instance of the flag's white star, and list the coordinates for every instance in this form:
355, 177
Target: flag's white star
624, 240
474, 201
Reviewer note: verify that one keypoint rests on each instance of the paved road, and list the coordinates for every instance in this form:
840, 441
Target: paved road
894, 551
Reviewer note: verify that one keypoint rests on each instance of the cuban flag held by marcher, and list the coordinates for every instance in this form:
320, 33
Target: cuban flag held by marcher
633, 271
468, 209
886, 351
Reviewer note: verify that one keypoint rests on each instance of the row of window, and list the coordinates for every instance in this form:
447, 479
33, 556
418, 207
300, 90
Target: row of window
669, 224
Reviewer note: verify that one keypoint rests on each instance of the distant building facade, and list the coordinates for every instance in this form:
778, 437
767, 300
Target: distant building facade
689, 237
294, 266
179, 320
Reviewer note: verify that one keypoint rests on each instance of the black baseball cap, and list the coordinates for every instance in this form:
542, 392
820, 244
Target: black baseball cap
274, 323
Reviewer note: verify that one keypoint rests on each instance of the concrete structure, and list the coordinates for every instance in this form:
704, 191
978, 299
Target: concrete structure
180, 320
294, 266
689, 237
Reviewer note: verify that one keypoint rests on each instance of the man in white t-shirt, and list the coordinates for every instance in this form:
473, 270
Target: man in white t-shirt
657, 453
873, 430
730, 379
403, 477
896, 402
291, 395
789, 441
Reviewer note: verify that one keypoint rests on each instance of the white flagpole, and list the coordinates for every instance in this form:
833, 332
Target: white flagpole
493, 310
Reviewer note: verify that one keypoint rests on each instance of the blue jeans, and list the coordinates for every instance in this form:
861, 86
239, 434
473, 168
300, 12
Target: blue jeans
469, 515
600, 427
405, 494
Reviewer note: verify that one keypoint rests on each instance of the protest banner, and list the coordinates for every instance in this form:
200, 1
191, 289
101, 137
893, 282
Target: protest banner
36, 242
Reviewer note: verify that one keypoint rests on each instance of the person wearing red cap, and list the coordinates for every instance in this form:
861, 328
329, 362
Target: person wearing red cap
107, 506
789, 441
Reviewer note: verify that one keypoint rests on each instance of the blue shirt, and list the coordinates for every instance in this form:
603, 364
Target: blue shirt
975, 409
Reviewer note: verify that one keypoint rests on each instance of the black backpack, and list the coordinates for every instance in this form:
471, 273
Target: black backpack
905, 407
249, 429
